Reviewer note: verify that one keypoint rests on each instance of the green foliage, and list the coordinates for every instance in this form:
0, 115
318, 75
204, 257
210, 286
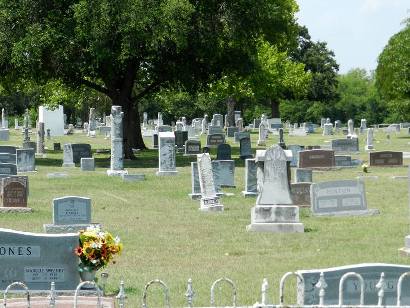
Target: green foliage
277, 76
359, 98
393, 69
321, 63
298, 111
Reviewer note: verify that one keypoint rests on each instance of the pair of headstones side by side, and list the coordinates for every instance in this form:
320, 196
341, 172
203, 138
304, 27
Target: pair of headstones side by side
73, 152
274, 211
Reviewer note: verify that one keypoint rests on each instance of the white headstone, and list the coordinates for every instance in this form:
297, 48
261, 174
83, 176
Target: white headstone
53, 119
166, 154
209, 199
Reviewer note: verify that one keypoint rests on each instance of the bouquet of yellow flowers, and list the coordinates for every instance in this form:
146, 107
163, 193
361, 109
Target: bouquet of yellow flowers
97, 248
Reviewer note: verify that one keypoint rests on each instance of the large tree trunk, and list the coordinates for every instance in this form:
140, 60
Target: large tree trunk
275, 108
131, 126
230, 107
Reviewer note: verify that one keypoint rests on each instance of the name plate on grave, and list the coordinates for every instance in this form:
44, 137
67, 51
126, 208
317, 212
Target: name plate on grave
333, 197
345, 145
38, 259
71, 210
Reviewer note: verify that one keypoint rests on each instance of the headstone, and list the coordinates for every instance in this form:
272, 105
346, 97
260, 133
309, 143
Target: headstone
303, 175
343, 161
322, 122
386, 158
92, 123
166, 154
40, 138
160, 121
370, 272
237, 114
363, 126
38, 259
238, 136
262, 135
295, 153
204, 124
281, 142
192, 147
52, 119
218, 120
8, 169
274, 211
16, 123
300, 193
223, 152
70, 214
345, 145
87, 164
316, 159
26, 160
8, 149
117, 150
14, 193
215, 130
231, 130
209, 199
29, 145
68, 157
256, 123
339, 198
350, 129
155, 140
4, 134
226, 173
48, 134
239, 124
250, 178
195, 187
369, 140
213, 140
57, 146
327, 129
6, 158
4, 119
245, 148
180, 138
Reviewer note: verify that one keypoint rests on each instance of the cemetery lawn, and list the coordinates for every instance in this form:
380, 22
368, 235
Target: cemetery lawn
165, 236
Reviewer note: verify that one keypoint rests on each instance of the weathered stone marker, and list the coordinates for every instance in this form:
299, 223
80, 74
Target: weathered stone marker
117, 150
209, 199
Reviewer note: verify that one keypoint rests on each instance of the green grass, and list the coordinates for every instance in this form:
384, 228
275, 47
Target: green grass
165, 236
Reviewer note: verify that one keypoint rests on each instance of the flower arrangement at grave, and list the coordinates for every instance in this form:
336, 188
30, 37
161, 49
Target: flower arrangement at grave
96, 249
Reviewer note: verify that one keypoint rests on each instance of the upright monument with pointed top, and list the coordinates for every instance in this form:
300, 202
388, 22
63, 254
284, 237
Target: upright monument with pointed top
274, 211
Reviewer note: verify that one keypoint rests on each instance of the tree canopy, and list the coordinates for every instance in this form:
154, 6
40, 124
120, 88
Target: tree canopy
127, 49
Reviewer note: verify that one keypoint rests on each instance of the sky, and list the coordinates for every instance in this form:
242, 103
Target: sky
356, 30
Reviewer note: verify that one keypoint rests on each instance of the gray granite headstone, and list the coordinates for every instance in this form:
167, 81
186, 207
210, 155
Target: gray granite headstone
227, 173
68, 159
87, 164
213, 140
180, 138
26, 160
223, 152
195, 188
274, 211
295, 153
4, 134
8, 169
339, 198
343, 161
192, 147
238, 136
155, 140
70, 214
250, 178
166, 154
40, 138
245, 148
117, 147
209, 199
38, 259
231, 130
6, 158
351, 288
57, 146
303, 175
345, 145
8, 149
80, 150
133, 177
